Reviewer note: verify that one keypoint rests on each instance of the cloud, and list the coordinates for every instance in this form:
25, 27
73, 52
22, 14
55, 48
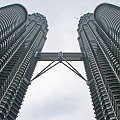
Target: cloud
62, 107
59, 94
50, 98
56, 107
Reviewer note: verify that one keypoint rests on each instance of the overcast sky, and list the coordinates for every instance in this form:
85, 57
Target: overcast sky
59, 94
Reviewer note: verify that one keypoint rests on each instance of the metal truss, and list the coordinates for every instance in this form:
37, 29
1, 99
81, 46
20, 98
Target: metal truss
60, 57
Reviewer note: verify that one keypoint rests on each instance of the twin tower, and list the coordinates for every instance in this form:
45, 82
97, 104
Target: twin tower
22, 37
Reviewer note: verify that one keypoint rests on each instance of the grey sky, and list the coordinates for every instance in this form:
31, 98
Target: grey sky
59, 94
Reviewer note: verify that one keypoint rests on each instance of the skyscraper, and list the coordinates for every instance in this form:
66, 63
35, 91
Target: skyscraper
99, 40
22, 36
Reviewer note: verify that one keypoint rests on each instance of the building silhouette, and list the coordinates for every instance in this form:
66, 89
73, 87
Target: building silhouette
22, 36
99, 40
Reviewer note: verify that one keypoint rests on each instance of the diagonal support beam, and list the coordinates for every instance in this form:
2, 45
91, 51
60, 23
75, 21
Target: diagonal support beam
73, 69
60, 58
51, 56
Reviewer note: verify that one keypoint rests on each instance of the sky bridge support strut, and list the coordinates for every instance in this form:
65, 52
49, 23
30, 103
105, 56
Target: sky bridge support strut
60, 57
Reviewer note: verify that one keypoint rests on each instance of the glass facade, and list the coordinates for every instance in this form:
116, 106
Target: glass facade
22, 36
99, 40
